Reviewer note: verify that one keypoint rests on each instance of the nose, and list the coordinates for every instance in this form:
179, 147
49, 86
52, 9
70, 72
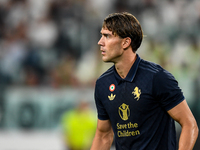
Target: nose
100, 42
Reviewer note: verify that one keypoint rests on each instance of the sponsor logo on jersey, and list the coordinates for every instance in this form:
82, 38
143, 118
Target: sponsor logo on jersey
124, 112
111, 97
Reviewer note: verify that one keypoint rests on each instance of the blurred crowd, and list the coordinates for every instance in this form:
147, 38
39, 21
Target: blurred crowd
54, 42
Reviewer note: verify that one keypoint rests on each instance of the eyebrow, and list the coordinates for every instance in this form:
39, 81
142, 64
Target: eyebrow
105, 34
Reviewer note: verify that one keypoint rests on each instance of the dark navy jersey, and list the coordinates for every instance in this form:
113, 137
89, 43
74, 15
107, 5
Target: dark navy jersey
137, 106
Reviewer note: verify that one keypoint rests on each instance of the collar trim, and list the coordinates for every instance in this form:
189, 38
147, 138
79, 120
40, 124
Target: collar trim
132, 72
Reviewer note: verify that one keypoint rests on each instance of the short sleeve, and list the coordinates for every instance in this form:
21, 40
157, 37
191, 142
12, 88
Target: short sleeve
166, 90
102, 114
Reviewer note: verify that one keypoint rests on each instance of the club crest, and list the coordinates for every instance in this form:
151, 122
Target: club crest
136, 93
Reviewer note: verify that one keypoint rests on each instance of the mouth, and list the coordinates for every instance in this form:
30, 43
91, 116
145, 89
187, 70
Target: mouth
103, 52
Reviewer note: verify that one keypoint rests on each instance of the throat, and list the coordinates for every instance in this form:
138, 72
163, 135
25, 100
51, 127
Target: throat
122, 73
124, 67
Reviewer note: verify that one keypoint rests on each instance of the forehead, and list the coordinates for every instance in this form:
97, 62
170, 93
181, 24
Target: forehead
106, 31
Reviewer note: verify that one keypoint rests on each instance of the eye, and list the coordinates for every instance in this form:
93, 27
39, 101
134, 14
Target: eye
107, 35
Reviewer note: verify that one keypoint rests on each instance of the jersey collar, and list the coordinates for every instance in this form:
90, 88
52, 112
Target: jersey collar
132, 72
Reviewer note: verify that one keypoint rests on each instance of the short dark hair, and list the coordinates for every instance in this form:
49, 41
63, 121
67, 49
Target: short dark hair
125, 25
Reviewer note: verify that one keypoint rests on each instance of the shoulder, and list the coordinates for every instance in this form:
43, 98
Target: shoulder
154, 70
162, 80
106, 74
150, 66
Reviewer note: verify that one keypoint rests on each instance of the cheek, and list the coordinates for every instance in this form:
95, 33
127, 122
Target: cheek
115, 49
115, 44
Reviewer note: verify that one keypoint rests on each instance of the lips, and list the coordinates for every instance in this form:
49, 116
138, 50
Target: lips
103, 52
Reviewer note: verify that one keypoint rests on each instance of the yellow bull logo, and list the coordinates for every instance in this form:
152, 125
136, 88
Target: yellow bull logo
136, 93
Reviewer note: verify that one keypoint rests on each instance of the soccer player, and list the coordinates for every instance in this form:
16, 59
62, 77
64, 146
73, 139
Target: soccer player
137, 101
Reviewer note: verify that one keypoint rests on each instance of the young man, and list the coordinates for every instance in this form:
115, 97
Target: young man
137, 101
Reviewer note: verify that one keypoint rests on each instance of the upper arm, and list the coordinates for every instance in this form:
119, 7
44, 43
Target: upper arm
182, 114
104, 136
104, 126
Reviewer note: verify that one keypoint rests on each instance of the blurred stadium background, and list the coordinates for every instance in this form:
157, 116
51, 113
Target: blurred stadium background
49, 60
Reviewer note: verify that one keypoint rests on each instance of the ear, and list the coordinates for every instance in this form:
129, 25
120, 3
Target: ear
126, 42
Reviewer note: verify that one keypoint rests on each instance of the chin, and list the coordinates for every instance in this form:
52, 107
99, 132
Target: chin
106, 60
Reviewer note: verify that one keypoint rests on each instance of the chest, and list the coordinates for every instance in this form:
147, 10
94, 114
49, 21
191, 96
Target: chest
129, 100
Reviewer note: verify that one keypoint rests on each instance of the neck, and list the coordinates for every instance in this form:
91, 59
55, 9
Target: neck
124, 65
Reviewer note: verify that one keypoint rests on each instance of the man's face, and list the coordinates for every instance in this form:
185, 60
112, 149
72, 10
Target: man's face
110, 46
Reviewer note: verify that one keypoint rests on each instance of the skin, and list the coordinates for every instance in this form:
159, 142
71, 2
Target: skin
183, 115
117, 50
